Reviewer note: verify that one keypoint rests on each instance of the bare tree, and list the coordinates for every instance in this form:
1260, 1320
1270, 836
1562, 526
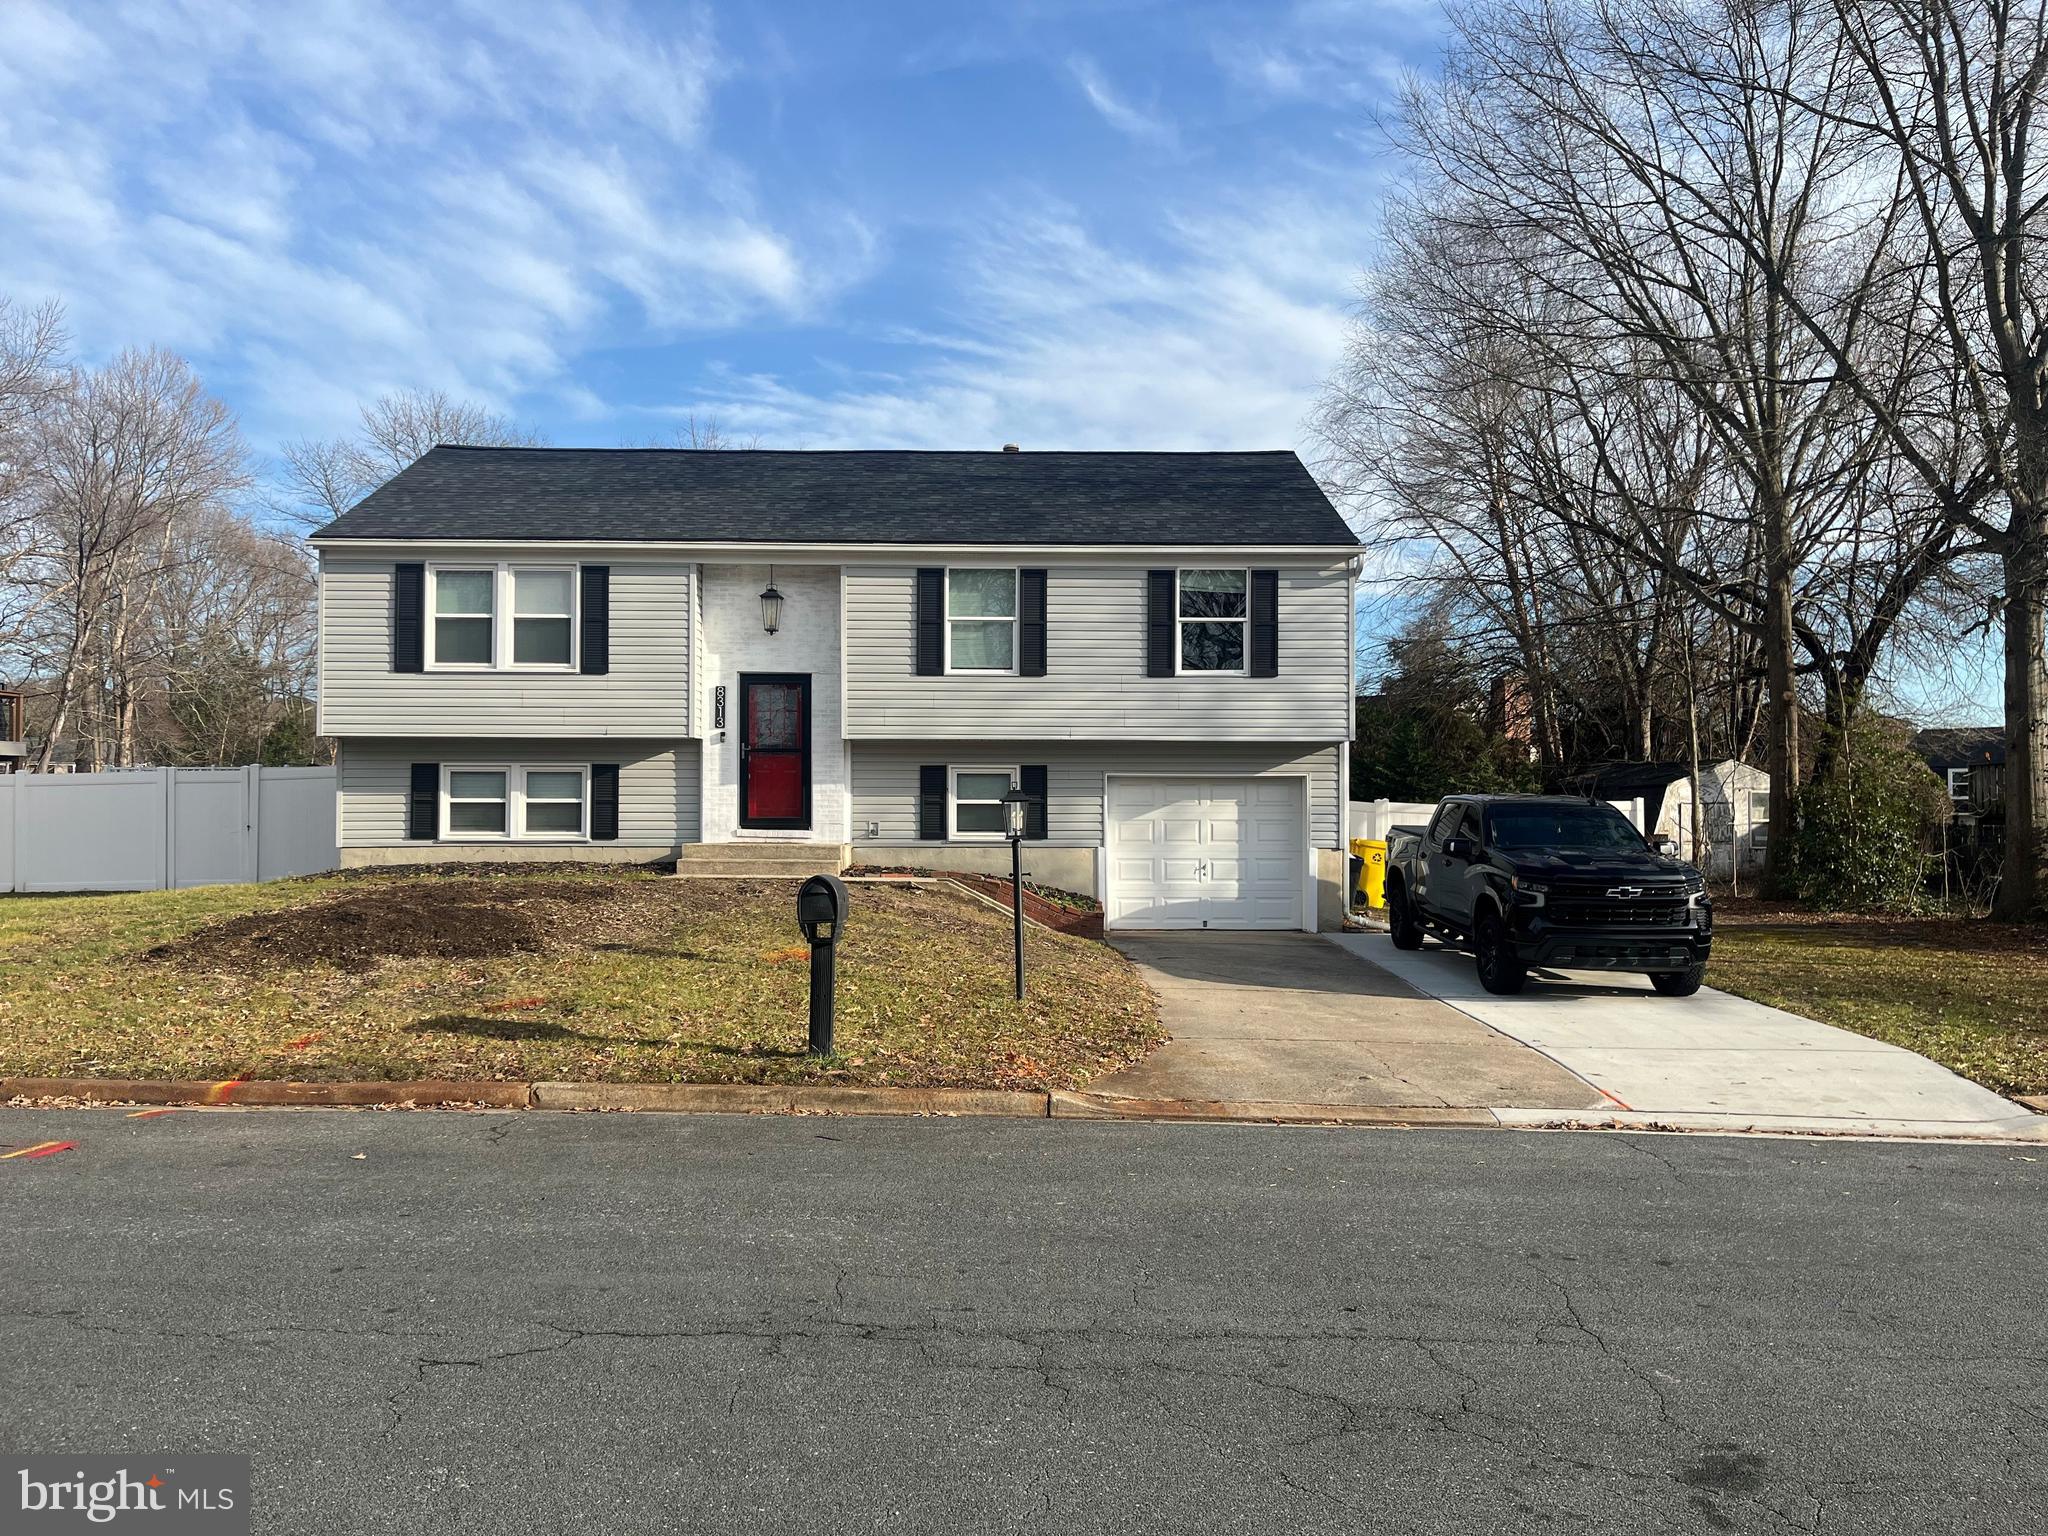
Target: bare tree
31, 341
128, 457
1676, 180
1949, 94
705, 435
324, 477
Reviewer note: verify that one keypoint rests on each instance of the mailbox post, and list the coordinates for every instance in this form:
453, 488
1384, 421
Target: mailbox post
821, 914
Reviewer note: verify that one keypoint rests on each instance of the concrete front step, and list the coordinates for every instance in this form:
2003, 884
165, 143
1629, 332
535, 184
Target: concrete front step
760, 861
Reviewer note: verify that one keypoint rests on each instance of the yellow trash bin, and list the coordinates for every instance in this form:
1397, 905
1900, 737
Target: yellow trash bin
1372, 871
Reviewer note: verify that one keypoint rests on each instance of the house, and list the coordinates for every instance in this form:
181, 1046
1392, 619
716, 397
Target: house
761, 662
1970, 760
1737, 809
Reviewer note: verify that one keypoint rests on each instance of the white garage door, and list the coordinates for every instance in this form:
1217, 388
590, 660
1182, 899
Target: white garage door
1205, 853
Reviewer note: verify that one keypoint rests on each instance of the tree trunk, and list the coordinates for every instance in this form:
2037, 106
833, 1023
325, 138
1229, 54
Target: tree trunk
2023, 877
1782, 757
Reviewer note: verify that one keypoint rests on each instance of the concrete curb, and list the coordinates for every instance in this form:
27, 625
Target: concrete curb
1106, 1106
112, 1090
766, 1099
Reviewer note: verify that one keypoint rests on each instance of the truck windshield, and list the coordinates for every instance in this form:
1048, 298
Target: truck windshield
1594, 827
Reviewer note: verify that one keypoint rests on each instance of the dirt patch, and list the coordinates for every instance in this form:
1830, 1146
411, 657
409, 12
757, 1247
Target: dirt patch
459, 919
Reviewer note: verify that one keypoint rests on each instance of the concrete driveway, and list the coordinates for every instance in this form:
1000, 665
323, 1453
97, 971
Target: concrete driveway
1712, 1061
1284, 1023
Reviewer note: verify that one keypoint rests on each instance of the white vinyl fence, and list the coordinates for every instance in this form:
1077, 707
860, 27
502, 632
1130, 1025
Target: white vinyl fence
158, 828
1373, 819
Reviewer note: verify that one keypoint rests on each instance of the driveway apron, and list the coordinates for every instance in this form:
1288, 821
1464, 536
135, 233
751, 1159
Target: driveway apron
1286, 1019
1708, 1061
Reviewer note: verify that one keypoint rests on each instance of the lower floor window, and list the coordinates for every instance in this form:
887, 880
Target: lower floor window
508, 801
978, 801
477, 802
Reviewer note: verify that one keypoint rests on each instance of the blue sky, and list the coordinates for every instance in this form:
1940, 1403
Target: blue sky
875, 224
1110, 225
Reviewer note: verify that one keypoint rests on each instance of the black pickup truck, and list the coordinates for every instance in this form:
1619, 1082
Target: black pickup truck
1541, 880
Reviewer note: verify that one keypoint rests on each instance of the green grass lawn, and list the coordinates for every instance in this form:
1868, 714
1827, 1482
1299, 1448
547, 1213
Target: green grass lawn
547, 975
1972, 995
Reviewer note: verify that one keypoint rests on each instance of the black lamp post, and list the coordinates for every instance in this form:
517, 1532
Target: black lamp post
1015, 803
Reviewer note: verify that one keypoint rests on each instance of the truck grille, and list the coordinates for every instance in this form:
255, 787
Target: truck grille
1617, 914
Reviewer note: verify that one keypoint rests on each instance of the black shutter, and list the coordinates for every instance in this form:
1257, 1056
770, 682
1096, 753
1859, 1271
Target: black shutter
1265, 596
1160, 627
1031, 623
931, 803
596, 621
1031, 779
604, 801
931, 622
423, 805
409, 618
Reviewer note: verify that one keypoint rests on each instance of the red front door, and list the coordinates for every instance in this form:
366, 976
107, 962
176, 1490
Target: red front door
775, 751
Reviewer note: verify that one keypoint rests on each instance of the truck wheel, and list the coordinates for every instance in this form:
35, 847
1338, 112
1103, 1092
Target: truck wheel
1499, 968
1402, 925
1680, 983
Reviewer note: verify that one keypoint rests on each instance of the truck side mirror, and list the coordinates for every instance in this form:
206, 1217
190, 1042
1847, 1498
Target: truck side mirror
821, 909
1457, 847
1663, 844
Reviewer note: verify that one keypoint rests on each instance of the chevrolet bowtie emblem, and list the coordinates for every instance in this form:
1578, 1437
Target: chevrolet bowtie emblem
1623, 892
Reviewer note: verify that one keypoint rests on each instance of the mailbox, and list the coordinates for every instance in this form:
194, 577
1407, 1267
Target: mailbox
821, 914
821, 904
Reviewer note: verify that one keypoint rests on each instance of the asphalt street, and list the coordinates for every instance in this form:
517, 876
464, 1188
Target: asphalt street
624, 1323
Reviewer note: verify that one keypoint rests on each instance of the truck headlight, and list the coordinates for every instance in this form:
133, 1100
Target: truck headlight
1528, 893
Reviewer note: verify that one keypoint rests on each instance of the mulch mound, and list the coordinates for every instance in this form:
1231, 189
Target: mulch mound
461, 919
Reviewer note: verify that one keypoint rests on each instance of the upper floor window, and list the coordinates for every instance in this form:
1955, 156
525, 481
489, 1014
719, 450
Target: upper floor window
464, 605
1214, 609
981, 620
543, 603
467, 602
1959, 787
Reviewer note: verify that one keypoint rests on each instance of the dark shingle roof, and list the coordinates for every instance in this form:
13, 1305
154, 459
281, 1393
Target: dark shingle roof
879, 496
1961, 745
1617, 781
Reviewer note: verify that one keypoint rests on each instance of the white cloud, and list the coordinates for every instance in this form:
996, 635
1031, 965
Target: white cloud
1058, 341
1324, 51
1132, 122
324, 200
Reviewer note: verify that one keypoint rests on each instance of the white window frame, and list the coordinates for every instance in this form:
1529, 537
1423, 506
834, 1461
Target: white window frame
582, 832
953, 772
449, 834
431, 602
1016, 635
502, 616
1963, 799
1180, 669
515, 803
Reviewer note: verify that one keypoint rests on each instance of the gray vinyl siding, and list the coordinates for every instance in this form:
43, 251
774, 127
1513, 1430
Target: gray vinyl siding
646, 693
885, 780
1095, 684
658, 783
